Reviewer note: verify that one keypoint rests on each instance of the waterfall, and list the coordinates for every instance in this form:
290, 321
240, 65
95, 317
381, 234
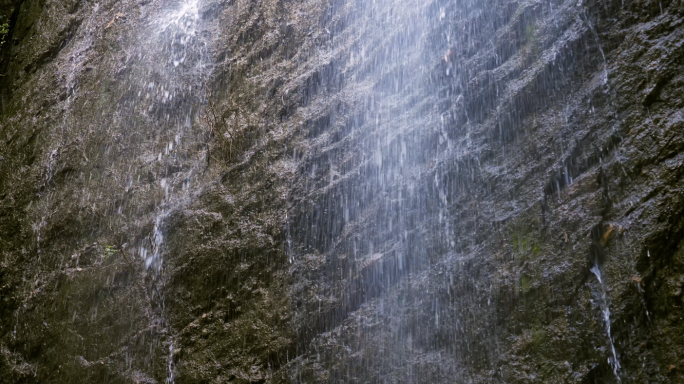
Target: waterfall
383, 213
340, 191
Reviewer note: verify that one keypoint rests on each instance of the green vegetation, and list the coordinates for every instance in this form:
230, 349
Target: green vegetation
538, 335
110, 250
4, 29
523, 243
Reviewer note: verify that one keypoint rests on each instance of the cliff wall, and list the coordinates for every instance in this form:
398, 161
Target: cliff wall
342, 191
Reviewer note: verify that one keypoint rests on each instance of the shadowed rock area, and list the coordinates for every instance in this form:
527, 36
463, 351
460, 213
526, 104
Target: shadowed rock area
342, 191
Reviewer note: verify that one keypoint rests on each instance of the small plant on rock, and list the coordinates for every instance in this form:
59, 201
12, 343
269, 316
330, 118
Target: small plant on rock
4, 29
110, 250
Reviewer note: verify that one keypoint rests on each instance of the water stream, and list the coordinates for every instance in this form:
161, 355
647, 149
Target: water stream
604, 305
181, 57
163, 77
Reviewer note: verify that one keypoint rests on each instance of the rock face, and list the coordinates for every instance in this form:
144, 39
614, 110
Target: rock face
342, 191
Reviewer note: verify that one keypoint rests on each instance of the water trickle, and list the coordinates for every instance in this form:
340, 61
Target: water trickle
171, 365
180, 47
604, 304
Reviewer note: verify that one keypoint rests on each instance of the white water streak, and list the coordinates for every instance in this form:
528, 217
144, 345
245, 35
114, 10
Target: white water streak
605, 310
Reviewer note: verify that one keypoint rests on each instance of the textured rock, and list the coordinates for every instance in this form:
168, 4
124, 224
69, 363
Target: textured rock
388, 191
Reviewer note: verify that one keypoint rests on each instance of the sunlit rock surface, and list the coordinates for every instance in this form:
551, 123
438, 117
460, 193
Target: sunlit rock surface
384, 191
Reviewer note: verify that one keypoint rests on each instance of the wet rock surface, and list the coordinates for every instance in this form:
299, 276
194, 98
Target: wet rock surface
342, 191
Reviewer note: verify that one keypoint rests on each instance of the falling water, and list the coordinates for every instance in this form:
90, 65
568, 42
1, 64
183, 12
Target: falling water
164, 77
181, 43
383, 215
378, 205
431, 165
604, 304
